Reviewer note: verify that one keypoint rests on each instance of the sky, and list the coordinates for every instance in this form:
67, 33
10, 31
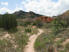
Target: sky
44, 7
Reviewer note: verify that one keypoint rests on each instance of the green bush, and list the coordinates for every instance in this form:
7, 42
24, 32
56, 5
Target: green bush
37, 23
67, 46
28, 30
42, 43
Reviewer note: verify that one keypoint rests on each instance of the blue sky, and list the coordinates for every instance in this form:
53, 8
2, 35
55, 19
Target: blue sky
45, 7
55, 0
11, 3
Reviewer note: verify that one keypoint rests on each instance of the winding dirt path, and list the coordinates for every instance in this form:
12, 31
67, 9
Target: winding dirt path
30, 46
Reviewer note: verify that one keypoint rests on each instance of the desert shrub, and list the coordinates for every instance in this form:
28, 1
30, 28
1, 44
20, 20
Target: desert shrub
59, 43
42, 43
20, 23
13, 30
28, 30
34, 31
62, 51
67, 47
24, 23
58, 26
14, 44
37, 23
21, 39
6, 46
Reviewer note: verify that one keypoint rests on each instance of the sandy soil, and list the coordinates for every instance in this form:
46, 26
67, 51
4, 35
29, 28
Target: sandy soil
5, 36
65, 42
30, 46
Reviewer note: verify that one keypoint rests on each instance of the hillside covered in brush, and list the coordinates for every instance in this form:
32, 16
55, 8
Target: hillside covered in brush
64, 16
23, 14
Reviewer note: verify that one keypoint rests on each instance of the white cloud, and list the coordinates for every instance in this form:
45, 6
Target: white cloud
46, 7
4, 10
4, 3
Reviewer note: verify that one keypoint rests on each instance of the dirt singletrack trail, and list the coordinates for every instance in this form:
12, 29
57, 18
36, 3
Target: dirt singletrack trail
30, 46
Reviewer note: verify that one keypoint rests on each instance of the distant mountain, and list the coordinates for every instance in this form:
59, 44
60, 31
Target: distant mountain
23, 14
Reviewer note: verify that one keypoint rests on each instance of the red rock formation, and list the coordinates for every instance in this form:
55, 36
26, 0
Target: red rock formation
44, 19
49, 19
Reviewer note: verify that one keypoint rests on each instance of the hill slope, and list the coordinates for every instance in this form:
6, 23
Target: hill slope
23, 14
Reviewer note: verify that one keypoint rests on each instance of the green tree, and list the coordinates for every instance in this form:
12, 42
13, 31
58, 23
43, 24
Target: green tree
1, 21
9, 21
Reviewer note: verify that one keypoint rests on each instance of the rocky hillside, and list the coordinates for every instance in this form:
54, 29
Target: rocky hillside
31, 16
23, 14
65, 15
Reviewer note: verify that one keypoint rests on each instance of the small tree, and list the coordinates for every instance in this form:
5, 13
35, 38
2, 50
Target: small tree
9, 21
1, 21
